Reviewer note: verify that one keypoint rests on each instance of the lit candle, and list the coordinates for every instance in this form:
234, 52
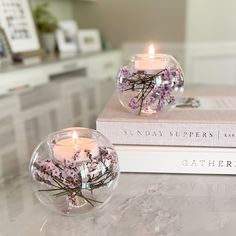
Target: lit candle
66, 148
151, 61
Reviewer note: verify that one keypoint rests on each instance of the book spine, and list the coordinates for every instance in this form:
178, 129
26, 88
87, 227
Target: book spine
170, 134
177, 160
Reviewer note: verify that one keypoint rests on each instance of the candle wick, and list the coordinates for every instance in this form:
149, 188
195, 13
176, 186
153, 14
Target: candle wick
76, 144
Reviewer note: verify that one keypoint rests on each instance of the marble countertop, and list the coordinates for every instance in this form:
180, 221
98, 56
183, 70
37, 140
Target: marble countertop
143, 204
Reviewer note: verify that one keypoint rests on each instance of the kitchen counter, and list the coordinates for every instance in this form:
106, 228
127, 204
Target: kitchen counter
143, 204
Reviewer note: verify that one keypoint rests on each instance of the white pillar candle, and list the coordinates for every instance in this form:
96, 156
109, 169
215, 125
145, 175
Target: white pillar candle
151, 61
65, 149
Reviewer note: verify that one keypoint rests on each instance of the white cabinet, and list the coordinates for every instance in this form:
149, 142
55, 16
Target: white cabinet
104, 66
17, 79
82, 99
39, 115
11, 147
100, 66
211, 63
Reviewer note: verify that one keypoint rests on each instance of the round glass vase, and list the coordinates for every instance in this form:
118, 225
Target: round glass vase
149, 85
74, 171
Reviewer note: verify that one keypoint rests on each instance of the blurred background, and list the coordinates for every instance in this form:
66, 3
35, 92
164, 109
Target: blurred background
59, 59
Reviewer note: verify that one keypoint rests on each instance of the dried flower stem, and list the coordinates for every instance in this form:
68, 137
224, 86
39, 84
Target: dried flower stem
56, 176
150, 93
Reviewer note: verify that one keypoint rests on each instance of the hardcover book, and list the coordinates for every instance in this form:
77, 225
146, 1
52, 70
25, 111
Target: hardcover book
185, 160
204, 116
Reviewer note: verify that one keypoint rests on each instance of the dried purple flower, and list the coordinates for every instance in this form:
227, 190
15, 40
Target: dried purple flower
125, 72
153, 91
124, 85
148, 101
166, 75
134, 103
71, 177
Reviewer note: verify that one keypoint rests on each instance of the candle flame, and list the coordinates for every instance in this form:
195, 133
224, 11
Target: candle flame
151, 51
75, 138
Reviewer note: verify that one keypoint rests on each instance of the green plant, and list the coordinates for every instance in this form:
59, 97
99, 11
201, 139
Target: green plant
45, 21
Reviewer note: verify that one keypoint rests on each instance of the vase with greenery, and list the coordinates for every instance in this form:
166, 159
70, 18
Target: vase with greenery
46, 24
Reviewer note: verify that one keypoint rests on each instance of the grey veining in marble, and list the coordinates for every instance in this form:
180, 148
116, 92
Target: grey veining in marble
143, 204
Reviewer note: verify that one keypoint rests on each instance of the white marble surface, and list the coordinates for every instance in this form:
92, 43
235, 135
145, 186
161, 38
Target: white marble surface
143, 204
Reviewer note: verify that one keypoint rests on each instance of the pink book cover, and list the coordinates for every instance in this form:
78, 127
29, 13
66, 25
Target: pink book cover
212, 123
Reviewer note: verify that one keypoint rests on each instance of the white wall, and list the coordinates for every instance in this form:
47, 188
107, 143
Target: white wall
122, 21
210, 39
210, 21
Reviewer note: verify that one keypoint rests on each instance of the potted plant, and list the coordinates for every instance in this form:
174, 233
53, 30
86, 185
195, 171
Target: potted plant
47, 25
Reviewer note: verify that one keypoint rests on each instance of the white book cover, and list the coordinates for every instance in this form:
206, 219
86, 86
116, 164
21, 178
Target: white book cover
185, 160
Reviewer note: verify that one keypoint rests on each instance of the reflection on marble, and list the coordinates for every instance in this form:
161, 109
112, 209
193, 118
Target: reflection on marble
144, 204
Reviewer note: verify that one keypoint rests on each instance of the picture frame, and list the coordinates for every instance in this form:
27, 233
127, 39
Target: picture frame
16, 19
89, 40
5, 50
66, 37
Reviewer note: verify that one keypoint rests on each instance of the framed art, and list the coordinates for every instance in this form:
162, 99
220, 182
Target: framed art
89, 41
66, 36
17, 20
5, 51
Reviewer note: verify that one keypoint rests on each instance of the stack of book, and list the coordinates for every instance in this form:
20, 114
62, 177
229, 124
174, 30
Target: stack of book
198, 136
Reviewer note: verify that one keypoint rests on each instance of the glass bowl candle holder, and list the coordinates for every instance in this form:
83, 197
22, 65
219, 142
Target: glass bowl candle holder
74, 170
150, 83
